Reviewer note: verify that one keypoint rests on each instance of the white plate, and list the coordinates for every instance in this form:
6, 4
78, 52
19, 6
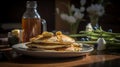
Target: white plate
22, 48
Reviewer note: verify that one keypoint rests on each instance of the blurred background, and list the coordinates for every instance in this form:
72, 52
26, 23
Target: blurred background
11, 13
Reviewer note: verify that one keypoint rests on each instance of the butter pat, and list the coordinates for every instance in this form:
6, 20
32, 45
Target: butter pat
89, 27
101, 44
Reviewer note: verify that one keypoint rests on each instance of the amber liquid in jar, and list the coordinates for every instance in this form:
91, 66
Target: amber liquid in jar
31, 27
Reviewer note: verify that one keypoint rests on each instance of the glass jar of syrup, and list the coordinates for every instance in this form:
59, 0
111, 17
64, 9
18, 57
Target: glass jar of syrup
31, 21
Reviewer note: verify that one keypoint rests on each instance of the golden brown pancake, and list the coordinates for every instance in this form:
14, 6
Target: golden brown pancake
57, 42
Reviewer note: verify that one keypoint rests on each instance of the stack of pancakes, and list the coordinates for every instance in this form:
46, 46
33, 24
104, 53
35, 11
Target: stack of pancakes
54, 42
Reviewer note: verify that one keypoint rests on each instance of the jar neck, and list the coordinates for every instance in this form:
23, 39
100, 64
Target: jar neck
31, 4
32, 9
31, 13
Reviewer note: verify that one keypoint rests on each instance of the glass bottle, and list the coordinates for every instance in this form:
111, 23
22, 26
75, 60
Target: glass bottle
31, 21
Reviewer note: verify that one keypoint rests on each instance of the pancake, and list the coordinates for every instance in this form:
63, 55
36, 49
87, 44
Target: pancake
56, 42
45, 46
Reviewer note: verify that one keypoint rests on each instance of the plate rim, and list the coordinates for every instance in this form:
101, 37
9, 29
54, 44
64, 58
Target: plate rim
59, 53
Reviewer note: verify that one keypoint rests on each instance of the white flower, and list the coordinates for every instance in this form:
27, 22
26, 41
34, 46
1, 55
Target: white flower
96, 9
74, 14
76, 9
78, 15
63, 16
72, 8
82, 9
57, 10
82, 2
71, 19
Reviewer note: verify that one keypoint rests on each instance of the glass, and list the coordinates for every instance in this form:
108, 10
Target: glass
32, 24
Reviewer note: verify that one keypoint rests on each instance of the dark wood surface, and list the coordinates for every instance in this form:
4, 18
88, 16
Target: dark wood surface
93, 59
109, 58
8, 58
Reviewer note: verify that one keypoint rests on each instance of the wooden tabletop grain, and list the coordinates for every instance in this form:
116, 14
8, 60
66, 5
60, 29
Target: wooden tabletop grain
93, 59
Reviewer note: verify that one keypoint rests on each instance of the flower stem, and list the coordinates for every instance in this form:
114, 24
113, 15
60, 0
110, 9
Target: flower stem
94, 20
74, 27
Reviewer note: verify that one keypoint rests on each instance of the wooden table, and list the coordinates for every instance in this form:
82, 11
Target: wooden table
94, 59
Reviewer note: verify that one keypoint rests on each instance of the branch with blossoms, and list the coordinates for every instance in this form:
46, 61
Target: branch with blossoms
74, 15
95, 11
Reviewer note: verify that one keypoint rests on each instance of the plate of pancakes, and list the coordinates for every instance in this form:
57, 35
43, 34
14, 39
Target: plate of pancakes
50, 44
